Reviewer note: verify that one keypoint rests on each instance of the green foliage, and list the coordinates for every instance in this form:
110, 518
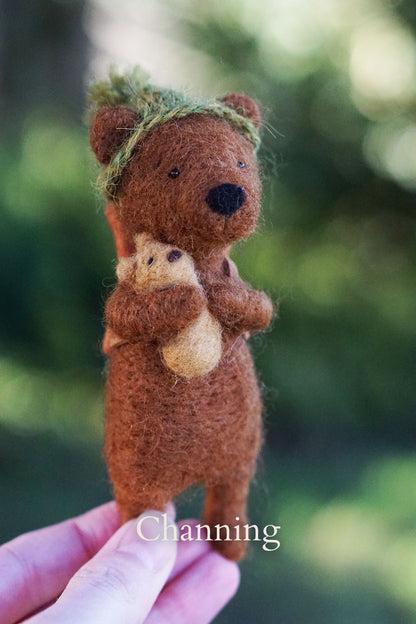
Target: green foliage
120, 89
55, 249
335, 248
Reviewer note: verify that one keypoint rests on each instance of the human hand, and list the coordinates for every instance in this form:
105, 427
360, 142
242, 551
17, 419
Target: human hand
84, 570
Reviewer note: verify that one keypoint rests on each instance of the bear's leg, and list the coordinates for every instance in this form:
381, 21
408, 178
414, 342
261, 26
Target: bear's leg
225, 504
132, 503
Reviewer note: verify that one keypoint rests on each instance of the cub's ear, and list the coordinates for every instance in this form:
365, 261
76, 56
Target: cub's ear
111, 126
126, 268
244, 105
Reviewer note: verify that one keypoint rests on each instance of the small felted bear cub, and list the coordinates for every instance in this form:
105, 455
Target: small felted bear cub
195, 350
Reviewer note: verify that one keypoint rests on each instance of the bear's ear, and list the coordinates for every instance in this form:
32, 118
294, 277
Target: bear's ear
243, 105
111, 126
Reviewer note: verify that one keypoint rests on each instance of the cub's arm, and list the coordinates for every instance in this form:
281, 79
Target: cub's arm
158, 314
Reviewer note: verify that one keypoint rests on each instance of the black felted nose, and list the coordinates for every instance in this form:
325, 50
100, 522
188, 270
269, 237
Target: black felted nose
226, 199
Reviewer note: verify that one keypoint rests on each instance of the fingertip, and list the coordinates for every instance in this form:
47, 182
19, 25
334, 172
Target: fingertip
152, 536
228, 572
149, 538
104, 516
153, 525
171, 510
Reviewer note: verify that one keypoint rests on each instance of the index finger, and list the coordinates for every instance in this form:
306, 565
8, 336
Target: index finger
36, 567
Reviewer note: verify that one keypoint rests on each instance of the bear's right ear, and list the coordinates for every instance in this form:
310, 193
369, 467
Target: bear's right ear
245, 106
110, 128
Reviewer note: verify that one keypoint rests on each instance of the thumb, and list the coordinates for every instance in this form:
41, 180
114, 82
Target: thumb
122, 581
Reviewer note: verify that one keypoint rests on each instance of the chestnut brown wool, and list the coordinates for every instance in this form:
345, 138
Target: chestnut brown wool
192, 183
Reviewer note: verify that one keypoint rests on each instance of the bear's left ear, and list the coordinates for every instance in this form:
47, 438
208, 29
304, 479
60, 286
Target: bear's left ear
243, 105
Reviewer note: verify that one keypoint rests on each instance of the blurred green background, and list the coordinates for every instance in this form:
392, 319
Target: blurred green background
336, 246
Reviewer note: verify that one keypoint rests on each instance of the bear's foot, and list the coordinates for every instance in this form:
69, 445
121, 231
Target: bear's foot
225, 513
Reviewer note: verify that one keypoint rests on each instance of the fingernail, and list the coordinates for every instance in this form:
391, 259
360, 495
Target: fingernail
153, 526
153, 535
171, 511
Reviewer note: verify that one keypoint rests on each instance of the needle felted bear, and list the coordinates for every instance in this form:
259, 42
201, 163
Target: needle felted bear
194, 351
184, 171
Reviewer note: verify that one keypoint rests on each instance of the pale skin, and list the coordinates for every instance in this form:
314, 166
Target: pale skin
88, 570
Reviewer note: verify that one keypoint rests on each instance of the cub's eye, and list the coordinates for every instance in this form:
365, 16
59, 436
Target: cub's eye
174, 255
174, 173
241, 164
150, 261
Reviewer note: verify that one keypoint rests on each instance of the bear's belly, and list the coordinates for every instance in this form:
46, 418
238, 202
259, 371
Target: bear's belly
205, 426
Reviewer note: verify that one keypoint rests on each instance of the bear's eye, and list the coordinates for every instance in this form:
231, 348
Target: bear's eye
241, 164
150, 261
174, 173
174, 255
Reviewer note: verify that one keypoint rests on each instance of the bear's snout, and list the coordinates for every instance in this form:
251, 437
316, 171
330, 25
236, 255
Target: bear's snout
226, 199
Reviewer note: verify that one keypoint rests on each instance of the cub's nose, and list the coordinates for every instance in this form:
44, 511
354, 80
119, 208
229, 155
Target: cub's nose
226, 199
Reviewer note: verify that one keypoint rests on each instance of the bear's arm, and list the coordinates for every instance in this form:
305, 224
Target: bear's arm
158, 314
238, 307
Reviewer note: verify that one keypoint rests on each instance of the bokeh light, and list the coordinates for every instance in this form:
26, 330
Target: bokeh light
335, 249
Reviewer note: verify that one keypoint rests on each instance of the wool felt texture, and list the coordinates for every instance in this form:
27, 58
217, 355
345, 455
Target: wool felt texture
124, 247
196, 350
156, 106
164, 432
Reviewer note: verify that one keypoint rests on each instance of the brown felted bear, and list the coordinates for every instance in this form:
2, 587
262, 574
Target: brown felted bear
184, 172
